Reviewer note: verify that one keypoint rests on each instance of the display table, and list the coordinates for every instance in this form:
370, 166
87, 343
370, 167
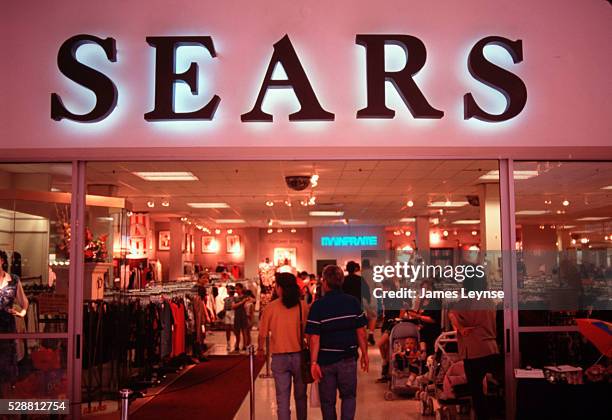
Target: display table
539, 399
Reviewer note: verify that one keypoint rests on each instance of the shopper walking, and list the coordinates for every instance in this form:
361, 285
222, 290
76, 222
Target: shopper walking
241, 319
476, 337
355, 285
336, 325
228, 317
282, 320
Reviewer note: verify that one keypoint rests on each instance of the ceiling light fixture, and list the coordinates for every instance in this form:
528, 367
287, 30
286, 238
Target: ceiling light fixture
474, 232
230, 231
279, 230
345, 221
312, 201
208, 205
518, 175
270, 222
304, 203
608, 187
292, 222
445, 233
466, 222
293, 230
183, 219
166, 176
270, 230
288, 203
547, 201
565, 203
531, 212
448, 203
407, 233
218, 231
269, 203
232, 221
326, 213
151, 204
165, 203
410, 203
592, 219
407, 220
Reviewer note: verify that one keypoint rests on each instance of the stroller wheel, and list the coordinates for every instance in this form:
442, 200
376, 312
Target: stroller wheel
389, 396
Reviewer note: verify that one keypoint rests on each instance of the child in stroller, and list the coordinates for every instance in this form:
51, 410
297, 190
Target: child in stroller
407, 359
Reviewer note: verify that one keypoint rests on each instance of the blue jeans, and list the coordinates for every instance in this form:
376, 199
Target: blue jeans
340, 376
285, 367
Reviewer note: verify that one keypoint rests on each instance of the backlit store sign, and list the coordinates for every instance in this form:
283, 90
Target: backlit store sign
105, 90
337, 241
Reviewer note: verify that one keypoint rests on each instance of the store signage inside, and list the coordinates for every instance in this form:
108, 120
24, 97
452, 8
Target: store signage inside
337, 241
105, 90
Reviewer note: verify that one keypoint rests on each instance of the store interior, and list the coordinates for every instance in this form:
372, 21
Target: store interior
153, 228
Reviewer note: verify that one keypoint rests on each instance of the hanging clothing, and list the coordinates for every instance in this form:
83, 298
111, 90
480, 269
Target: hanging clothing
199, 312
167, 320
178, 333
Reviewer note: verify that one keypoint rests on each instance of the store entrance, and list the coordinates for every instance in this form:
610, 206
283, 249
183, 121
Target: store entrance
219, 224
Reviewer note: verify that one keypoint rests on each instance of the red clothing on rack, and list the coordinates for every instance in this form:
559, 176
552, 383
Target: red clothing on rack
178, 334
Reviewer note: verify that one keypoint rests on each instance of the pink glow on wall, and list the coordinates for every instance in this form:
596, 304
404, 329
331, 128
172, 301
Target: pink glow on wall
565, 68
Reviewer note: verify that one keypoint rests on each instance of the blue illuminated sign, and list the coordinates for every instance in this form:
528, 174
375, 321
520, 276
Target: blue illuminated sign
349, 240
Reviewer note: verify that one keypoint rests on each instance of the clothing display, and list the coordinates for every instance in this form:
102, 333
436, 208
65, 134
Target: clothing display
11, 293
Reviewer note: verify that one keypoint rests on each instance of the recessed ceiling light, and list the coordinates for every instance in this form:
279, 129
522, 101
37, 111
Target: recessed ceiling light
293, 230
279, 230
474, 232
208, 205
288, 203
407, 219
292, 222
410, 203
466, 222
230, 221
269, 203
448, 203
407, 233
151, 204
531, 212
165, 203
218, 231
445, 233
591, 219
518, 175
566, 203
270, 230
166, 176
230, 231
326, 213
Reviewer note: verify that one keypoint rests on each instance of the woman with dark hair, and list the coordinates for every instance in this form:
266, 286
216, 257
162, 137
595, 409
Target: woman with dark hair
284, 319
13, 303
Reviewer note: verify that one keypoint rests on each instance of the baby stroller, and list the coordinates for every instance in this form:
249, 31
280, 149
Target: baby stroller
405, 360
444, 391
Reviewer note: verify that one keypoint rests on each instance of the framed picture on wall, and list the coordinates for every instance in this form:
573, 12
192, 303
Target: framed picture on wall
210, 245
282, 254
232, 244
163, 241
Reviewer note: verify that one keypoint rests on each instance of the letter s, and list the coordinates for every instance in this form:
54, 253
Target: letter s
510, 85
103, 87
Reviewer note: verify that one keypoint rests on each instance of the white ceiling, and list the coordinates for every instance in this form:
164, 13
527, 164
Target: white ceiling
369, 192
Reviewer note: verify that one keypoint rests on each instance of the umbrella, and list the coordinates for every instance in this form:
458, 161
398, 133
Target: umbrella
597, 332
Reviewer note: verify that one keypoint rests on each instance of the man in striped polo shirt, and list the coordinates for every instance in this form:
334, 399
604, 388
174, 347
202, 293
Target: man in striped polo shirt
336, 325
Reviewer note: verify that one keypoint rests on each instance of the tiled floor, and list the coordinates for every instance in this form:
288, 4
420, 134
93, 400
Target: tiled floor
370, 402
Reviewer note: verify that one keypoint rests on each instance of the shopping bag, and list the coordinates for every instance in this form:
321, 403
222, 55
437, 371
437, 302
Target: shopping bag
315, 401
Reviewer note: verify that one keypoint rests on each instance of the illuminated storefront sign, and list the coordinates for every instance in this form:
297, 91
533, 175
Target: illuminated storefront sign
334, 241
284, 54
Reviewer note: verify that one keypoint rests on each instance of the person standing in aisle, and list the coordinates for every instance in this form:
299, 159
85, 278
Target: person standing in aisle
282, 320
228, 317
336, 325
476, 336
355, 285
241, 321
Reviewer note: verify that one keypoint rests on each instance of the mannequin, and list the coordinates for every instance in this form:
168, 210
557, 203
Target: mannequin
11, 294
